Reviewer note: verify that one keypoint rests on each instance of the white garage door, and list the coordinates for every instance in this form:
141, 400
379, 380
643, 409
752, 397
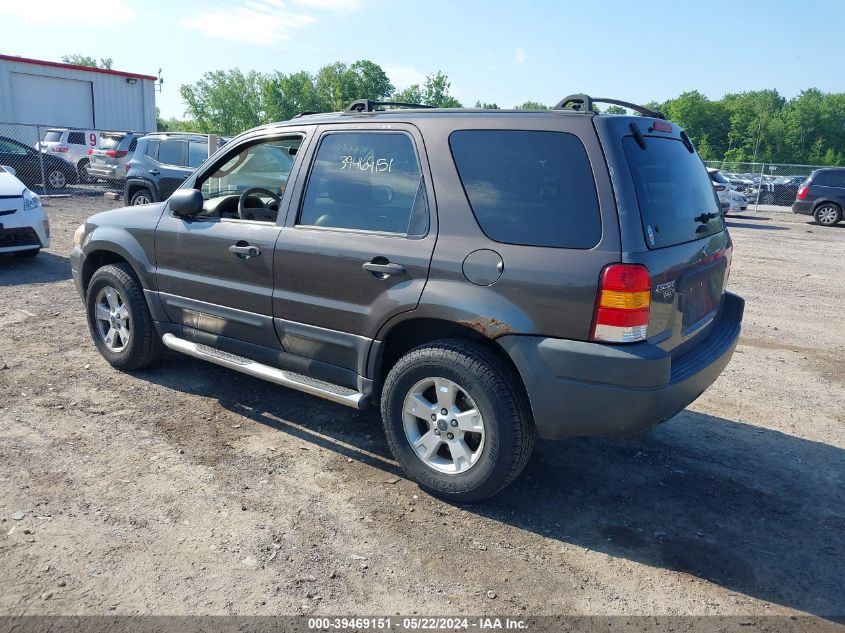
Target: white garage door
52, 101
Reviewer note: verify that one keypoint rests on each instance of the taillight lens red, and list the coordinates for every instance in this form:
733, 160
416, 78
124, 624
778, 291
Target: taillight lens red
116, 153
622, 305
802, 192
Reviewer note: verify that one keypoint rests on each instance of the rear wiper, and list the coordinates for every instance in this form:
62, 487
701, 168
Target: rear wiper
704, 218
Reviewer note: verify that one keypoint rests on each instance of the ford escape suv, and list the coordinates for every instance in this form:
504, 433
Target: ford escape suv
483, 276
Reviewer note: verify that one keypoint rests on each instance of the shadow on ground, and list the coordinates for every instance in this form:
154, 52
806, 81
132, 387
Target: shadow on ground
765, 227
44, 268
750, 509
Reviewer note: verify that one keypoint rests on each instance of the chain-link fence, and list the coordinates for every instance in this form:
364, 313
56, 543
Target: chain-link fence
67, 161
764, 183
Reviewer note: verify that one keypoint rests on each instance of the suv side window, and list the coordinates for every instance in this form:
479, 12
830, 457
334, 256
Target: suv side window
197, 153
830, 179
76, 138
366, 181
152, 149
263, 165
170, 152
529, 188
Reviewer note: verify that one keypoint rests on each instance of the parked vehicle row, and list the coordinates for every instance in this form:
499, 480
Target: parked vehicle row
71, 156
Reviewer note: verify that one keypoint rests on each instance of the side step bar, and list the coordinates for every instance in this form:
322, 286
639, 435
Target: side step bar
329, 391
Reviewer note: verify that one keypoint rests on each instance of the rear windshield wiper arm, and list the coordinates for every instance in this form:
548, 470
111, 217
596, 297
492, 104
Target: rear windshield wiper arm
705, 217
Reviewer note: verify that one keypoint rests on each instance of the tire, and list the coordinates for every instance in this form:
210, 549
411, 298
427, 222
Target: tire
827, 214
82, 171
142, 196
32, 252
140, 346
56, 179
487, 458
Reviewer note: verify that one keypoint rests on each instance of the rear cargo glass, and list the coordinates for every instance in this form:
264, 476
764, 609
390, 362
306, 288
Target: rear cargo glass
677, 201
110, 141
529, 188
52, 136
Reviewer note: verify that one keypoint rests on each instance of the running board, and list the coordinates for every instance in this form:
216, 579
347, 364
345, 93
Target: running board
319, 388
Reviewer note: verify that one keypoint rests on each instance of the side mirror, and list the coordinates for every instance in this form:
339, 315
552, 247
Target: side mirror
186, 203
8, 169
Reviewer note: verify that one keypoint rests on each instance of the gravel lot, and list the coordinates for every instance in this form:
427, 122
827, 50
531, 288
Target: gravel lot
191, 489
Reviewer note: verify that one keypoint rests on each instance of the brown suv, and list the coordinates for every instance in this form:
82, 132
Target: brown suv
483, 275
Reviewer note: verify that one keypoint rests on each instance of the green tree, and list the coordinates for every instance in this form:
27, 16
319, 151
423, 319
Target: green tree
224, 102
285, 96
615, 109
532, 105
435, 92
486, 106
411, 94
85, 60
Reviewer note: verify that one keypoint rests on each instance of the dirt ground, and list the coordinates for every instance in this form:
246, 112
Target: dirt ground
191, 489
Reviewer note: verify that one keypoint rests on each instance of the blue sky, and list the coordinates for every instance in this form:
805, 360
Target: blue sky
494, 50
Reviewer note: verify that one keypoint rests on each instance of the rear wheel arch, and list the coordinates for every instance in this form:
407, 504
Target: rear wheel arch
411, 333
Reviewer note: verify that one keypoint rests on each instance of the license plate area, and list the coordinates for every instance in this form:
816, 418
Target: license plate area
701, 293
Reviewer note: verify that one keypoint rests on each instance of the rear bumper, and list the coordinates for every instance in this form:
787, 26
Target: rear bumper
108, 172
590, 389
802, 207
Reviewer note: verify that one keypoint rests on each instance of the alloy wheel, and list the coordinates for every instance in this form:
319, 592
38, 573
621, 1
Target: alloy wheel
443, 425
112, 317
826, 215
57, 179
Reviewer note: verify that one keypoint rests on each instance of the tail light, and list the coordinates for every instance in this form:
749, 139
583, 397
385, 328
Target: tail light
116, 153
622, 305
720, 187
60, 149
802, 192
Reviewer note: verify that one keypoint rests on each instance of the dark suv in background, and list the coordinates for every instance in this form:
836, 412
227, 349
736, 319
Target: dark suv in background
481, 275
822, 196
161, 163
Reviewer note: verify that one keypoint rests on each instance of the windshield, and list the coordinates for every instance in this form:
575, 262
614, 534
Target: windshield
52, 136
676, 197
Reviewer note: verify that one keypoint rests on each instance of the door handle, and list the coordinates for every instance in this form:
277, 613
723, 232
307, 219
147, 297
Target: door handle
383, 270
244, 251
154, 172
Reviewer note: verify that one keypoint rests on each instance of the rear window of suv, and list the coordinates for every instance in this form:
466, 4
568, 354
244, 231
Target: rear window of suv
677, 201
110, 141
528, 187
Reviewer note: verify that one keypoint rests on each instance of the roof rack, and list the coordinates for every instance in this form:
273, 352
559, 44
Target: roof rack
367, 105
584, 103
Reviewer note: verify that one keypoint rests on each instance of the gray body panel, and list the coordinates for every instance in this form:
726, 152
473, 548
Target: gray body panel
305, 304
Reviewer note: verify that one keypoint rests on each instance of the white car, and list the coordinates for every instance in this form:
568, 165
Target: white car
737, 201
72, 146
24, 227
722, 186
